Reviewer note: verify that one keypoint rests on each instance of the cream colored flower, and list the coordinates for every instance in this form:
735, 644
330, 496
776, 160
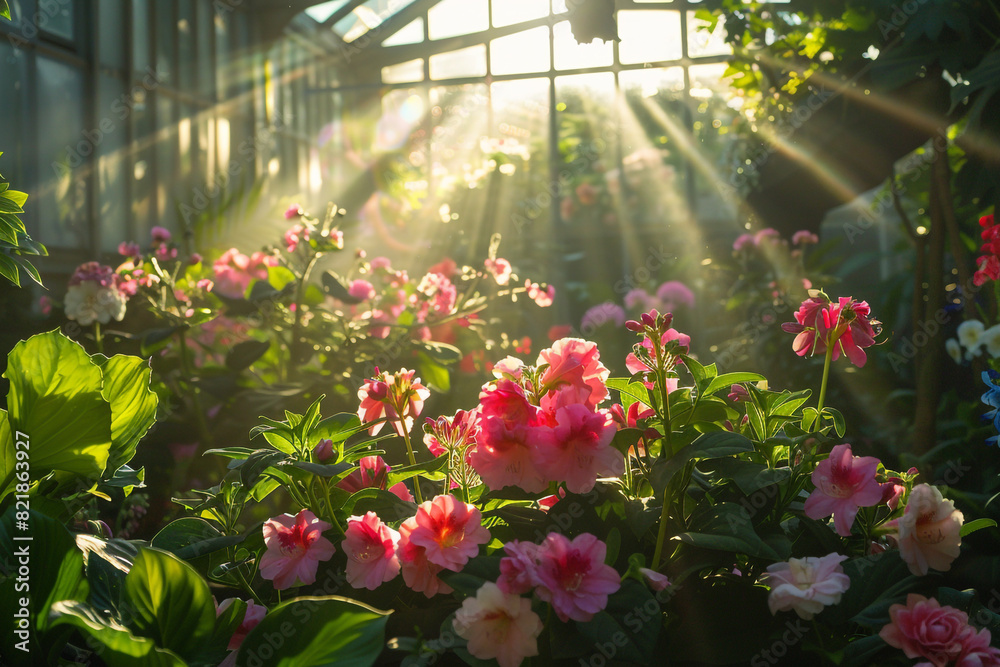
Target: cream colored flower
929, 532
970, 335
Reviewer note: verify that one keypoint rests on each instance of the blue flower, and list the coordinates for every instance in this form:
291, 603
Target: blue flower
992, 399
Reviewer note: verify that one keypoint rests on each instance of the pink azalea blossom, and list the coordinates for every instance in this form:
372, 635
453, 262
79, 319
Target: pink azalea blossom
573, 363
500, 269
581, 450
806, 585
441, 292
373, 473
295, 547
518, 569
602, 314
639, 298
449, 530
370, 546
129, 249
929, 532
293, 211
744, 242
804, 237
234, 271
541, 297
844, 483
419, 574
294, 235
446, 434
498, 625
558, 331
892, 492
511, 431
394, 396
923, 628
508, 367
252, 617
572, 576
977, 651
361, 289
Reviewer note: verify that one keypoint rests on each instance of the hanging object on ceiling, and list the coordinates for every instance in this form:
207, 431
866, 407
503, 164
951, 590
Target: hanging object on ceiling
593, 19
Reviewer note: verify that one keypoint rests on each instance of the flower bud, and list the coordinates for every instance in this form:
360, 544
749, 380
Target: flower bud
323, 450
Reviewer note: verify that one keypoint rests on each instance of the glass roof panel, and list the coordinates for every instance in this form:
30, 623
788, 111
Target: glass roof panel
367, 17
325, 10
411, 33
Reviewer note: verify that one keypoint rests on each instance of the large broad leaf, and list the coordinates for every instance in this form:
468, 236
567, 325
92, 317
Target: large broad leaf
629, 626
715, 445
170, 602
115, 643
8, 455
726, 527
191, 537
133, 405
316, 632
54, 572
55, 398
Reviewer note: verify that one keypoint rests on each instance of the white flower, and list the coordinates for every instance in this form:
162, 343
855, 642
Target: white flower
954, 350
970, 335
498, 626
89, 302
991, 339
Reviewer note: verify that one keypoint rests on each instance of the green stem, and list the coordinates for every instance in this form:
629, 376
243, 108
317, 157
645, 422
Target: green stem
324, 484
662, 532
98, 337
822, 388
413, 460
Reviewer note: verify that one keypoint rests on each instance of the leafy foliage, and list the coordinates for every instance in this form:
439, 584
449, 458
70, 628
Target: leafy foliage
15, 243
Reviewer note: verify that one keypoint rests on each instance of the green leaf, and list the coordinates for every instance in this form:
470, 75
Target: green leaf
978, 524
718, 444
726, 527
8, 269
115, 643
728, 379
4, 12
8, 456
386, 504
55, 398
170, 602
629, 392
434, 374
244, 354
442, 352
431, 470
133, 405
631, 623
337, 289
316, 632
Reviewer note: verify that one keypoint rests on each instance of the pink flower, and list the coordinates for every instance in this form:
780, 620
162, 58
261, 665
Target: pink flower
419, 574
977, 651
295, 547
744, 242
929, 532
806, 585
768, 235
195, 258
234, 271
922, 628
738, 393
373, 473
160, 235
205, 284
441, 292
508, 367
449, 531
380, 263
164, 253
396, 397
361, 289
674, 293
500, 269
572, 576
370, 546
804, 237
581, 450
573, 363
253, 615
654, 579
45, 305
602, 314
129, 249
541, 297
558, 331
323, 451
294, 235
844, 483
892, 491
586, 193
498, 625
293, 211
518, 569
636, 365
446, 434
639, 298
846, 326
511, 431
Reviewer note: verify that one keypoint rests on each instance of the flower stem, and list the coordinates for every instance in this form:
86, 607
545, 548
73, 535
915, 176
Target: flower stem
822, 387
413, 460
662, 532
98, 337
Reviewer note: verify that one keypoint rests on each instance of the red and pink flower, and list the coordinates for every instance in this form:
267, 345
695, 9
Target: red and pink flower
370, 546
373, 473
923, 628
449, 530
580, 451
572, 576
295, 547
573, 364
398, 398
844, 483
252, 617
846, 326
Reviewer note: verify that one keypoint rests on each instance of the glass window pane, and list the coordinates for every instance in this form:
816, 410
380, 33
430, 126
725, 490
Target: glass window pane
715, 117
62, 150
462, 63
166, 32
522, 52
204, 36
649, 36
140, 35
458, 17
411, 33
571, 55
367, 16
407, 72
111, 33
166, 159
322, 12
58, 19
509, 12
113, 166
187, 50
704, 43
13, 74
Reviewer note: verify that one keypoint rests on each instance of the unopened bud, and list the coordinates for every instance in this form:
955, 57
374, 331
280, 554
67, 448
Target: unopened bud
323, 451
